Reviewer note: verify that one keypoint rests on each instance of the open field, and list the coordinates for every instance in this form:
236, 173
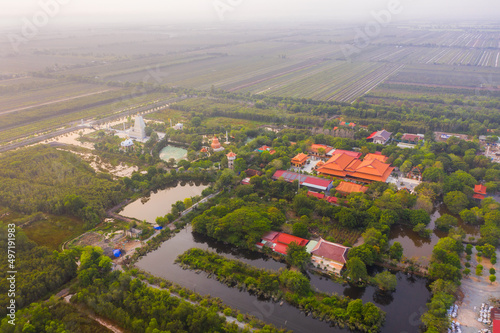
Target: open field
44, 229
63, 77
54, 231
59, 114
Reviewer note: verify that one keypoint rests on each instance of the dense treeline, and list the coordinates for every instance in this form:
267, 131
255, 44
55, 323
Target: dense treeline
39, 271
141, 308
52, 316
445, 268
293, 286
42, 178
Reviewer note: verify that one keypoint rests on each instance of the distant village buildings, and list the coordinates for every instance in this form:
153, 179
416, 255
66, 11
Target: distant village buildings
379, 137
412, 138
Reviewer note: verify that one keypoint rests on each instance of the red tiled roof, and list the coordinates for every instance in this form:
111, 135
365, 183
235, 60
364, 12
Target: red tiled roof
332, 199
478, 196
480, 189
342, 165
287, 239
315, 147
270, 236
252, 172
347, 187
376, 156
231, 154
280, 248
329, 250
317, 181
496, 326
411, 137
316, 194
300, 158
348, 152
372, 135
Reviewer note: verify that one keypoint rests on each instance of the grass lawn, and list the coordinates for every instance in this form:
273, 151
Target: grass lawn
54, 231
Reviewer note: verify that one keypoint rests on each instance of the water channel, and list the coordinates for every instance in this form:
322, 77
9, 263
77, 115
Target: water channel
421, 248
159, 203
403, 306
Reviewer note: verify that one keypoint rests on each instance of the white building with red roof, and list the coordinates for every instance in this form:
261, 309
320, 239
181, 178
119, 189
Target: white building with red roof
328, 256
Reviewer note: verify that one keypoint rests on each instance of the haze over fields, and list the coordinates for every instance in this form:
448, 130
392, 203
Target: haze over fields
94, 12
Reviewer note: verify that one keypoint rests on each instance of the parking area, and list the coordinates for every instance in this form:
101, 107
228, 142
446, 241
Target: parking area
308, 167
401, 182
476, 290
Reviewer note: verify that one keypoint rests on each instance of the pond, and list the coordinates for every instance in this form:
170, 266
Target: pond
176, 153
421, 248
159, 203
403, 307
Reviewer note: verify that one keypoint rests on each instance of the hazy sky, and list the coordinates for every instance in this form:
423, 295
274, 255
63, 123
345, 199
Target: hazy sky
95, 12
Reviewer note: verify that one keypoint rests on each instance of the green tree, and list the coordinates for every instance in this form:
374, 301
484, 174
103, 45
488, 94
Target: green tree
493, 278
419, 216
446, 222
422, 230
479, 270
356, 269
396, 251
297, 255
240, 165
299, 229
188, 202
195, 121
456, 201
295, 281
385, 280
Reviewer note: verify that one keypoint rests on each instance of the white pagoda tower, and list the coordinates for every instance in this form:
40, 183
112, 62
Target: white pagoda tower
139, 129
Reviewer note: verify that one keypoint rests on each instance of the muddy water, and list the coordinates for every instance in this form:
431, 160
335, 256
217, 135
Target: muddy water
403, 307
421, 248
169, 152
160, 203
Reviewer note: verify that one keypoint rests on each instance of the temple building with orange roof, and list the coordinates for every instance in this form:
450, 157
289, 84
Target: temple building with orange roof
376, 156
299, 160
343, 165
319, 150
479, 192
346, 188
216, 146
